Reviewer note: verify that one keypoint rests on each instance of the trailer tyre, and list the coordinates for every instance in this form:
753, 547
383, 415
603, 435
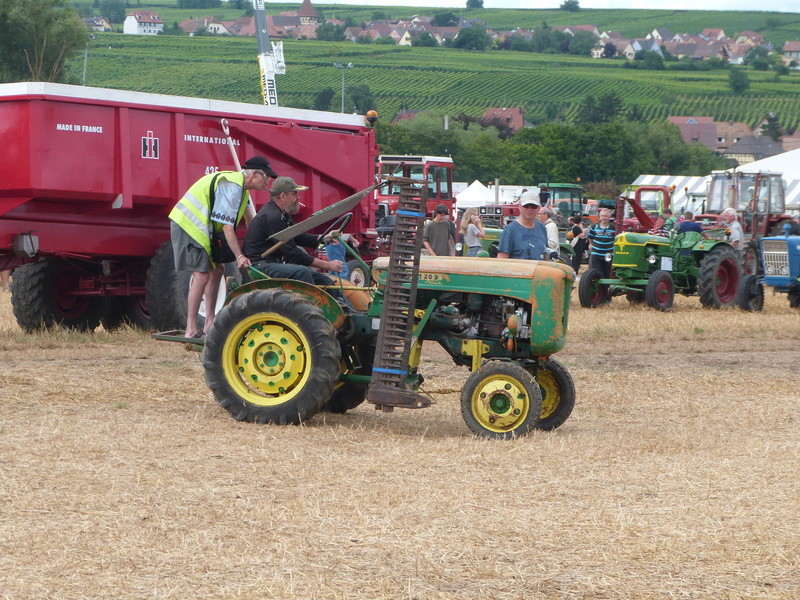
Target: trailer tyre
501, 400
660, 290
590, 293
558, 394
271, 357
41, 297
162, 290
750, 296
126, 310
718, 280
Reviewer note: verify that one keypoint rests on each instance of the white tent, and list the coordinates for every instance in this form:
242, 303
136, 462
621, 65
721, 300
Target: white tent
476, 194
689, 191
786, 163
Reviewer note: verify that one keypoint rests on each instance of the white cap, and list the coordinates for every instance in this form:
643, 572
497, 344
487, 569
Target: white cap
529, 198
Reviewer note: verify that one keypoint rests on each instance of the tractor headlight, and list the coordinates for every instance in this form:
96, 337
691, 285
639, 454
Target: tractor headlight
609, 256
652, 259
459, 247
784, 270
769, 270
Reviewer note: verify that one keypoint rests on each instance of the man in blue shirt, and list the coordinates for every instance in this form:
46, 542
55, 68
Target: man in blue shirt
689, 224
524, 237
601, 237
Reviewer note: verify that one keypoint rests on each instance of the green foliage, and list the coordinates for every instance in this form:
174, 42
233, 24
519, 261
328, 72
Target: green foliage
570, 5
385, 41
772, 127
758, 58
423, 40
738, 81
329, 32
323, 98
113, 10
474, 38
37, 37
582, 43
198, 3
474, 3
444, 19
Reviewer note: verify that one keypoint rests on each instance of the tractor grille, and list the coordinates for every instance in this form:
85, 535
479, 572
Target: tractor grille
776, 257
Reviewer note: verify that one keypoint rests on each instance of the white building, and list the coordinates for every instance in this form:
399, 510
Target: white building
142, 22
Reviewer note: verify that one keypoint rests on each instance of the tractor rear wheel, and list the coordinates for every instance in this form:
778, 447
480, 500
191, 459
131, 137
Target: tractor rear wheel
750, 296
590, 293
271, 357
501, 400
558, 394
162, 294
660, 290
42, 297
718, 279
357, 275
349, 394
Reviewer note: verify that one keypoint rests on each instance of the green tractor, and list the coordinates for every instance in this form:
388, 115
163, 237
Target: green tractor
650, 268
281, 351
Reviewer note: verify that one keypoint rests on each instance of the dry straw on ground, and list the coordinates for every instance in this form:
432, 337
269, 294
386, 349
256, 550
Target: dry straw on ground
676, 476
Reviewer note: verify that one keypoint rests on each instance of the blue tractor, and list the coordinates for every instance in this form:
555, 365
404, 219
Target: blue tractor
778, 267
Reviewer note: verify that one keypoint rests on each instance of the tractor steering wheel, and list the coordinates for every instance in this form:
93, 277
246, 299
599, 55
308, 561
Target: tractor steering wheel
338, 224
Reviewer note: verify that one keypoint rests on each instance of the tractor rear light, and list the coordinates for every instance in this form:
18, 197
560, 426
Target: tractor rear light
609, 256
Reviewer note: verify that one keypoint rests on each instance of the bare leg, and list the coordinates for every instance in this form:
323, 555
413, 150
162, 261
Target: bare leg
211, 293
4, 279
196, 287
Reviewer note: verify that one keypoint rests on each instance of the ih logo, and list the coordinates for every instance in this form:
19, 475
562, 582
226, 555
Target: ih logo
150, 146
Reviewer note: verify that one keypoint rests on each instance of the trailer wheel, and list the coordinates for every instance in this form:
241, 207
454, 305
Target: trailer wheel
660, 290
558, 394
718, 279
162, 290
357, 275
126, 310
590, 293
41, 297
271, 357
501, 400
750, 296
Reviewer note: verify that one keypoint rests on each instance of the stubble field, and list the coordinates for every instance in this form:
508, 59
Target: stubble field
676, 476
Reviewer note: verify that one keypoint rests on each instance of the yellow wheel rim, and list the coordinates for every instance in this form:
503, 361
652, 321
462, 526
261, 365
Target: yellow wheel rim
265, 359
500, 403
551, 393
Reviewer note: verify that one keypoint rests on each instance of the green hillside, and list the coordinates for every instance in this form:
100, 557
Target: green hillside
427, 78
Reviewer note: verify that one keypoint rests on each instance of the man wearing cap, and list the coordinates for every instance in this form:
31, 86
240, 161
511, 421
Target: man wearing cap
215, 202
524, 237
291, 260
438, 235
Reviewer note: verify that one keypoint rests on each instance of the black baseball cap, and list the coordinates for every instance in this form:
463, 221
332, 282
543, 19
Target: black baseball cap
259, 163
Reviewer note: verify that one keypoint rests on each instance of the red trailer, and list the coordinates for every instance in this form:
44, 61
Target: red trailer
88, 176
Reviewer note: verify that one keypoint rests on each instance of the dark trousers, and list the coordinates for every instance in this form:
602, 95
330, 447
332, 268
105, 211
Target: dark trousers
298, 272
599, 262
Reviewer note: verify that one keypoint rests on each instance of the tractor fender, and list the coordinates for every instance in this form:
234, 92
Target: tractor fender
704, 246
327, 304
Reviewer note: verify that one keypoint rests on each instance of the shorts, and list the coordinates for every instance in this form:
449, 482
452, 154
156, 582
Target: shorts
187, 254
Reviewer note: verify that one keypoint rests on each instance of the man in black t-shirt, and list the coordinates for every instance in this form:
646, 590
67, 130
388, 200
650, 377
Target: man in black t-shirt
291, 260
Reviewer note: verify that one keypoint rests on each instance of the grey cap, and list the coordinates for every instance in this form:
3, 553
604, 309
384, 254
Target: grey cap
285, 184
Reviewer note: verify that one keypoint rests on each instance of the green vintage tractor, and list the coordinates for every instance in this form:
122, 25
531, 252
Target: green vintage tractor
281, 351
650, 268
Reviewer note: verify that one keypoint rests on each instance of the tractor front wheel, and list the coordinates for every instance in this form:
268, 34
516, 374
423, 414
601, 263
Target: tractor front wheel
558, 394
271, 356
718, 280
660, 290
591, 293
357, 275
750, 296
501, 400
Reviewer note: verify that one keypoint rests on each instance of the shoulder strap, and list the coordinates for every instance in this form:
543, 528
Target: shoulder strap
212, 194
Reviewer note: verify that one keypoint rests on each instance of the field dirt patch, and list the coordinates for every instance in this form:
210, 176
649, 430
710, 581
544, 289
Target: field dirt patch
675, 477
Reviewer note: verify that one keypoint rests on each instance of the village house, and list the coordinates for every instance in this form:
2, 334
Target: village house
791, 52
510, 117
97, 24
142, 22
714, 135
205, 24
752, 148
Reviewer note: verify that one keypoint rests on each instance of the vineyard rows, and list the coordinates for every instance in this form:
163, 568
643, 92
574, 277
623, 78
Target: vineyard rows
428, 79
